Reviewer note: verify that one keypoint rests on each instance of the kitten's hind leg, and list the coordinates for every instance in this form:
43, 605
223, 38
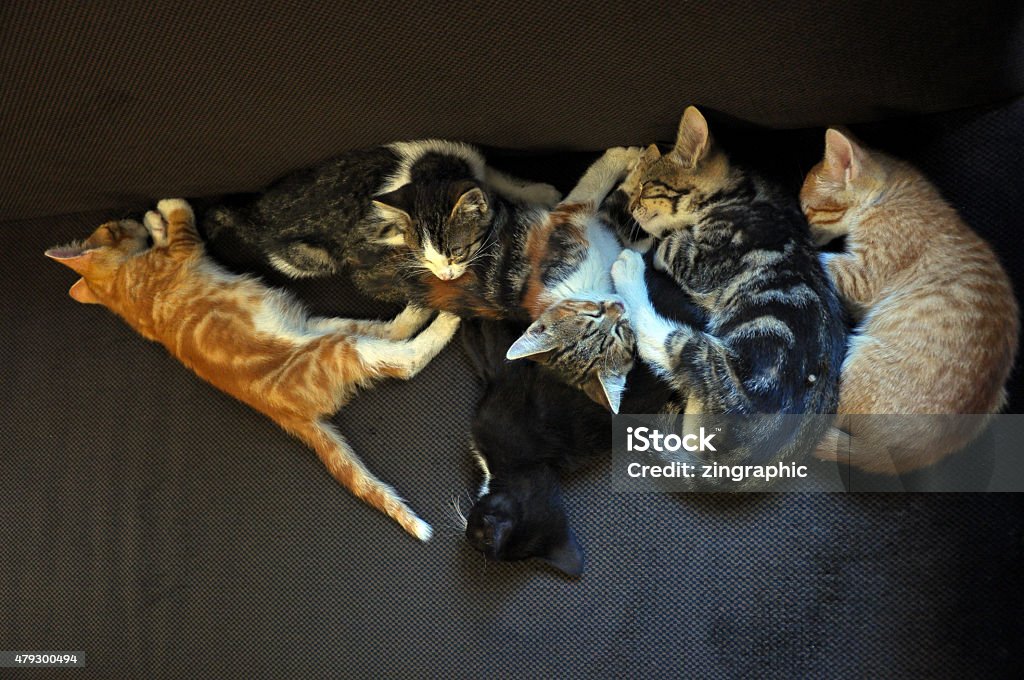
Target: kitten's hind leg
407, 358
180, 222
407, 323
603, 175
402, 327
344, 465
156, 227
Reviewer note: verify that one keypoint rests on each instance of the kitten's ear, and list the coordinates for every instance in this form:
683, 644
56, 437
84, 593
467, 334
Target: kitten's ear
606, 389
531, 343
650, 154
397, 204
567, 556
80, 292
471, 199
842, 157
693, 140
77, 258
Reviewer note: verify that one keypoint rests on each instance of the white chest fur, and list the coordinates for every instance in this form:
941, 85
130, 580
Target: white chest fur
593, 276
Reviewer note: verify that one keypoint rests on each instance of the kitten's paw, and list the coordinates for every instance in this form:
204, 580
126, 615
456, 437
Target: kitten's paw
445, 325
156, 227
542, 194
625, 156
175, 210
628, 268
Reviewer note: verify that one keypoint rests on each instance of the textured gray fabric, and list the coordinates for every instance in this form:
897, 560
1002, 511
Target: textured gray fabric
114, 104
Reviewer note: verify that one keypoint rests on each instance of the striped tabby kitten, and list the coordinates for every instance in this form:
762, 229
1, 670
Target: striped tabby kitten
549, 267
774, 337
353, 212
938, 327
253, 342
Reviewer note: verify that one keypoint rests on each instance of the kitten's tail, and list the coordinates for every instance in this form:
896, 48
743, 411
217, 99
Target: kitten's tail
344, 465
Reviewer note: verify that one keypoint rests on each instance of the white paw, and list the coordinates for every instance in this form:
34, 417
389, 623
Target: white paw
628, 269
543, 194
169, 206
445, 325
156, 227
627, 155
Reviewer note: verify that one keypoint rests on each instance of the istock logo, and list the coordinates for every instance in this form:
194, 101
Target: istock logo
643, 439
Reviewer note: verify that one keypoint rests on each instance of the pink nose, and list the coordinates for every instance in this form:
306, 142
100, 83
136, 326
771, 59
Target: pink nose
446, 275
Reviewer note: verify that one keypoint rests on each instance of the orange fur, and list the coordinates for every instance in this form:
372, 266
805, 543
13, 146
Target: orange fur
253, 342
460, 296
939, 327
562, 221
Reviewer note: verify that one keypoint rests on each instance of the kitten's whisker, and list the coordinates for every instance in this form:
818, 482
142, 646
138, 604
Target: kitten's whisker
460, 516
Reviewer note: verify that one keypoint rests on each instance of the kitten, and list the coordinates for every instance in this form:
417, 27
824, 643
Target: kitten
774, 334
551, 268
351, 212
938, 328
528, 428
253, 342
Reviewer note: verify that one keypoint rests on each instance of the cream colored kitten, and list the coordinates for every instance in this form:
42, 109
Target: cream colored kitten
938, 322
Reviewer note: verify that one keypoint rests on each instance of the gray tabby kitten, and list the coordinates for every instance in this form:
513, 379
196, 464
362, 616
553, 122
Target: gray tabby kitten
774, 336
347, 213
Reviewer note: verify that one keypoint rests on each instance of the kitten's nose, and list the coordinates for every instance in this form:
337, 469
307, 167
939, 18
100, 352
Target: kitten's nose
446, 274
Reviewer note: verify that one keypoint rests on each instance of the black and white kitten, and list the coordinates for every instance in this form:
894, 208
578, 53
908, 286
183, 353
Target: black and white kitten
346, 213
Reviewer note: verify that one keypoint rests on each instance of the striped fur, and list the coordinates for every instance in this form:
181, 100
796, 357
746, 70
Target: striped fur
354, 213
939, 324
253, 342
774, 335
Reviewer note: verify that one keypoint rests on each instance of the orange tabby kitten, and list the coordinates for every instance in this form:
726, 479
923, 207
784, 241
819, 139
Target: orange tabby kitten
253, 342
939, 328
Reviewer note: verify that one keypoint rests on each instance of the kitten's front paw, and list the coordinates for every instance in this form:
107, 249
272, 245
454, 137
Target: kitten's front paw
156, 227
627, 154
626, 157
627, 269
